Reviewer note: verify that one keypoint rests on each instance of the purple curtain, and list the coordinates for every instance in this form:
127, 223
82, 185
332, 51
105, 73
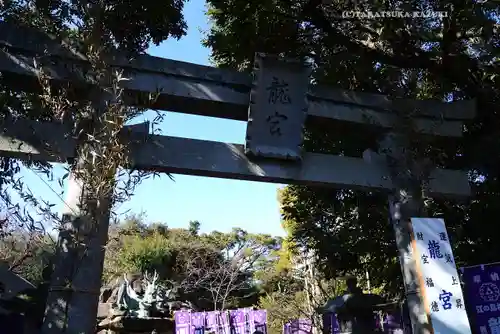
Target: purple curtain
298, 326
182, 322
240, 321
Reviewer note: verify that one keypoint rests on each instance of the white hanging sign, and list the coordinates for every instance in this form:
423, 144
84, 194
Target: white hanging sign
439, 280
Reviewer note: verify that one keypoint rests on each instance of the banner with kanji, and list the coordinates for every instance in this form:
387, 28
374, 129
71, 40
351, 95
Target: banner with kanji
298, 326
482, 292
438, 275
240, 321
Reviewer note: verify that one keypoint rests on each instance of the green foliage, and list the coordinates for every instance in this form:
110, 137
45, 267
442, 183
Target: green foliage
27, 254
145, 254
213, 271
194, 227
283, 307
127, 25
297, 300
346, 244
454, 58
118, 24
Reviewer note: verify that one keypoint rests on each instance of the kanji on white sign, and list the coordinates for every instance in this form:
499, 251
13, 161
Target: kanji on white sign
441, 286
278, 108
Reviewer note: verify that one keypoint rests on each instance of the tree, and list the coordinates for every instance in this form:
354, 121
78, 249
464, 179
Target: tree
137, 247
224, 267
218, 277
194, 227
295, 290
27, 255
282, 308
452, 58
95, 29
212, 271
24, 245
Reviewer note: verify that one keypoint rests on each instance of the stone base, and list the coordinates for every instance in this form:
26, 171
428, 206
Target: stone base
109, 331
126, 325
103, 310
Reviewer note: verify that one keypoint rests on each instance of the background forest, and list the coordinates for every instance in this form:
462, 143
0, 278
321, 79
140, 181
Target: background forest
212, 271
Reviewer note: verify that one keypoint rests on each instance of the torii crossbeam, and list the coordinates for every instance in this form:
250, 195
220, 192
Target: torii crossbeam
277, 101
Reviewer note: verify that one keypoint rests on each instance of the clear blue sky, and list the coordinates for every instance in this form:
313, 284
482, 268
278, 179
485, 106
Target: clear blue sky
218, 204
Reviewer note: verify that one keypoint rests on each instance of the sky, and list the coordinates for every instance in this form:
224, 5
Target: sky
218, 204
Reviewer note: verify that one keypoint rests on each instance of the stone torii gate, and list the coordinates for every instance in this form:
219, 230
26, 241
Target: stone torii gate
276, 101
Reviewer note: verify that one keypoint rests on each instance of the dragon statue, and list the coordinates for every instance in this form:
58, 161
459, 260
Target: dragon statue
141, 305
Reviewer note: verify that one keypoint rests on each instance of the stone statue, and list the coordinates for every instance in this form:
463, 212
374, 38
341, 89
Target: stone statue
354, 309
140, 302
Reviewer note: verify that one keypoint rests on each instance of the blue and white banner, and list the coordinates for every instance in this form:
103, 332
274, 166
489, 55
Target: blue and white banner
439, 280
